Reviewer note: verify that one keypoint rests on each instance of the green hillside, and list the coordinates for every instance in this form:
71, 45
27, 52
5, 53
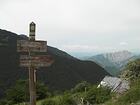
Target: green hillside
64, 74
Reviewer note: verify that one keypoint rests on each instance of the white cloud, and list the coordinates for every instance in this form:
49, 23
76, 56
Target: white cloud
86, 22
137, 39
88, 15
123, 43
83, 48
86, 48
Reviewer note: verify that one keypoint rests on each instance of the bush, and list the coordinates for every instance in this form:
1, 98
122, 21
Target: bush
59, 100
81, 87
132, 70
66, 100
3, 102
97, 95
20, 92
42, 91
48, 102
6, 102
17, 93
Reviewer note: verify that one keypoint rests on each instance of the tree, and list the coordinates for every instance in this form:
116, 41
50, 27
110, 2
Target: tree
20, 92
132, 70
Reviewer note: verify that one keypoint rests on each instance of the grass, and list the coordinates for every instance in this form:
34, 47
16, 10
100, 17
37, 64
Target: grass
38, 103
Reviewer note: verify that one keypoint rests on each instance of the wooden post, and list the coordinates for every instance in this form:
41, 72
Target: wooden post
32, 86
32, 81
32, 73
33, 61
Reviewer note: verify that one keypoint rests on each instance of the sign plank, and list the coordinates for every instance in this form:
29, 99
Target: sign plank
34, 46
37, 60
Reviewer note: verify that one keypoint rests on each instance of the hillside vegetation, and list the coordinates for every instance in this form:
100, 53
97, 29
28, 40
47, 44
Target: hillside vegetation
102, 96
64, 74
87, 94
132, 96
61, 83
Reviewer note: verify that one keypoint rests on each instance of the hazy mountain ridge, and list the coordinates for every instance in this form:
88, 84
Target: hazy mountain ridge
118, 57
65, 73
113, 62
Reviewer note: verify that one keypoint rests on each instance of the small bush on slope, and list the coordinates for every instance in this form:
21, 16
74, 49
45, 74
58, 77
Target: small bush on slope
132, 71
98, 95
59, 100
92, 95
20, 92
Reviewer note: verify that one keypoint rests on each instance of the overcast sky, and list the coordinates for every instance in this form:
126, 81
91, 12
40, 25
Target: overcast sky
77, 25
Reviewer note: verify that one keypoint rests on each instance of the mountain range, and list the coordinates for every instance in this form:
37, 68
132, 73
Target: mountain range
113, 62
65, 72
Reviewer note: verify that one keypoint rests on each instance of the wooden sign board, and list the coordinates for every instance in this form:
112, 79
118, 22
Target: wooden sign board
37, 60
34, 46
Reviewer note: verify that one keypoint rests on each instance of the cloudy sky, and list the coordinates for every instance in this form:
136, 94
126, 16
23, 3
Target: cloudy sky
77, 25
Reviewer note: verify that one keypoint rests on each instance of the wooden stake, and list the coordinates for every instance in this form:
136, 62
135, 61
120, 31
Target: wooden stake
32, 86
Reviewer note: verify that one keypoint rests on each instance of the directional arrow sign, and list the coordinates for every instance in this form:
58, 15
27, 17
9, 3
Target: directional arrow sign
34, 46
37, 60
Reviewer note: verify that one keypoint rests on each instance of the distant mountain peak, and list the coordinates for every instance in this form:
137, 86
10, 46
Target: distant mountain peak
120, 52
118, 56
113, 62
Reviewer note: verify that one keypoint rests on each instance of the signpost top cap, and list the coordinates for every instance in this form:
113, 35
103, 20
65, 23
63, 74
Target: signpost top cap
32, 23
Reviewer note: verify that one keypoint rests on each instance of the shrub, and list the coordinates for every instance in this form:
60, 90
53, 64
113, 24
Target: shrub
81, 87
59, 100
132, 70
48, 102
20, 92
97, 95
66, 100
42, 91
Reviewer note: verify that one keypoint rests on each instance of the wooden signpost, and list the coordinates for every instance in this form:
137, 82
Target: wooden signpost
33, 55
36, 61
34, 46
